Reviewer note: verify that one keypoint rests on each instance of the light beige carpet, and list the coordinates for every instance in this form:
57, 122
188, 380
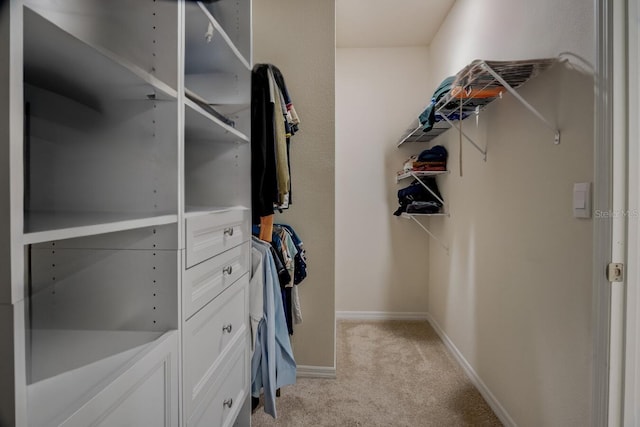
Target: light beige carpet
390, 373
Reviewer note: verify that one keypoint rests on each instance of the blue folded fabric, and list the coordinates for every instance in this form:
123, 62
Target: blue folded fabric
454, 116
428, 118
435, 154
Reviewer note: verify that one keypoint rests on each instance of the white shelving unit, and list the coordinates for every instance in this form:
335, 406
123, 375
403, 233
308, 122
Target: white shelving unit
217, 197
218, 72
475, 86
114, 177
100, 156
479, 76
92, 131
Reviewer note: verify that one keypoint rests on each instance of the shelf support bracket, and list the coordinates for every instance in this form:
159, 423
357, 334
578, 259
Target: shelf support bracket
427, 188
468, 138
410, 134
524, 102
426, 230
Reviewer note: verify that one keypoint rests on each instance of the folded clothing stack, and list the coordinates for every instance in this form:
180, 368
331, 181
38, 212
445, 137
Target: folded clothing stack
428, 117
435, 154
430, 166
424, 207
416, 192
433, 159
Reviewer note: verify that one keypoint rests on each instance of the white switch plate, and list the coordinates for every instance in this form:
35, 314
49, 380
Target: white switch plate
582, 200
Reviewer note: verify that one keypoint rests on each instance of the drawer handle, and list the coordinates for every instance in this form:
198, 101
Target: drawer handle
228, 231
227, 328
228, 403
228, 270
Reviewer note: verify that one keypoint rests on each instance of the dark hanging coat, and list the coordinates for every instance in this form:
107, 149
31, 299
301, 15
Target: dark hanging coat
264, 185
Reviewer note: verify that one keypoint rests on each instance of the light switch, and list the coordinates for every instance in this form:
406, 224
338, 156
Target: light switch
579, 200
582, 200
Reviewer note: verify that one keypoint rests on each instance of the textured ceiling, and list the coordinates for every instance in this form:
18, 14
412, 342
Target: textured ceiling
388, 23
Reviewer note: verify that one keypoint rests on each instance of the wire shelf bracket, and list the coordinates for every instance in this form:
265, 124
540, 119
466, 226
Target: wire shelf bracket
523, 101
410, 134
426, 230
413, 216
481, 75
427, 188
467, 137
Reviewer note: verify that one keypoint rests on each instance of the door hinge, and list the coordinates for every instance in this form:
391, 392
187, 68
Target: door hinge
615, 272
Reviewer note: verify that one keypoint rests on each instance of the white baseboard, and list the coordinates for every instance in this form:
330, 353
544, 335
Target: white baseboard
498, 409
305, 371
380, 315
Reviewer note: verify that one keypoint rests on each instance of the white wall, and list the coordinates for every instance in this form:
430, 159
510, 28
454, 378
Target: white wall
381, 260
514, 292
511, 29
299, 38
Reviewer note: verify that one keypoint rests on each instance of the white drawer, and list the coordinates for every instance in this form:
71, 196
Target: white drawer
203, 282
225, 398
145, 394
208, 338
213, 233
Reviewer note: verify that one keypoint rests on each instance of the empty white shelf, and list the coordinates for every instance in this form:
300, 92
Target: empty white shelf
48, 226
200, 125
58, 61
98, 357
57, 351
